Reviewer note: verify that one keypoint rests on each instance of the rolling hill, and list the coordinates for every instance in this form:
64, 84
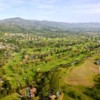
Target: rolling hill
22, 25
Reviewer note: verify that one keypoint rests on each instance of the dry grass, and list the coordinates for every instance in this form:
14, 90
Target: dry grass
83, 74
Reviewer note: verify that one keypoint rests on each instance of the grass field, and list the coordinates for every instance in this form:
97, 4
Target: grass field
83, 74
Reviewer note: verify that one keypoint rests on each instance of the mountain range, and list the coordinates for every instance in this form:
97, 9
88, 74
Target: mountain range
23, 25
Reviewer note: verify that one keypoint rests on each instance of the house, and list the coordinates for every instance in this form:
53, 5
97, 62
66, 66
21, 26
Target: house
33, 91
52, 97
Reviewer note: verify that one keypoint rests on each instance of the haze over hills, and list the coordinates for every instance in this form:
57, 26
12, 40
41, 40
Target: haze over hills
21, 25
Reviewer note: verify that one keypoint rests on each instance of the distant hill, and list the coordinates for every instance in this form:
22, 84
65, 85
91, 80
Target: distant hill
22, 25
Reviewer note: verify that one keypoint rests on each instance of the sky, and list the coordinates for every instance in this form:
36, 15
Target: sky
52, 10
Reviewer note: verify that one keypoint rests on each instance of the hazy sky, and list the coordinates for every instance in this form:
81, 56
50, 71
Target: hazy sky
55, 10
